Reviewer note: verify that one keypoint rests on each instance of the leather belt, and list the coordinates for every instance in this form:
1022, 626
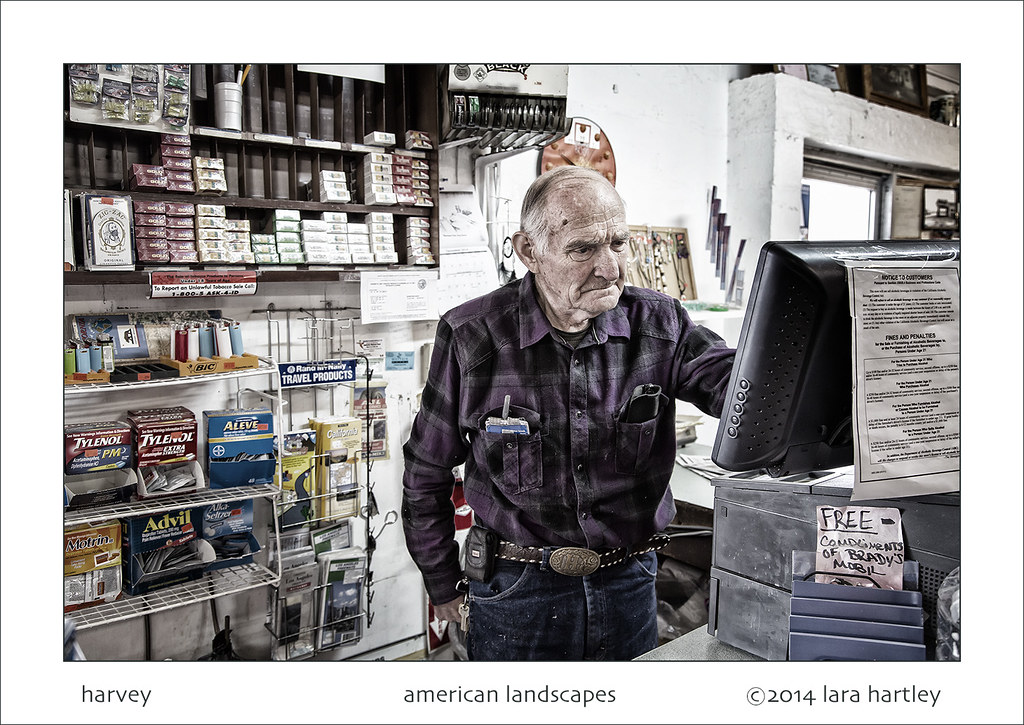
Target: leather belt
575, 560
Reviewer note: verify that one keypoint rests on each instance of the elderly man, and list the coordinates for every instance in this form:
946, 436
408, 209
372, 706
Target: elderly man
558, 393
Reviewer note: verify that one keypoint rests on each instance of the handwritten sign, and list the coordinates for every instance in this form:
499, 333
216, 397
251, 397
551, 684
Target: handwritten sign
202, 284
860, 545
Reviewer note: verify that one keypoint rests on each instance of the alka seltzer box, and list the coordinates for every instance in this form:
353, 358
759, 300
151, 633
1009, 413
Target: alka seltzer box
107, 225
239, 447
92, 564
227, 528
163, 549
165, 437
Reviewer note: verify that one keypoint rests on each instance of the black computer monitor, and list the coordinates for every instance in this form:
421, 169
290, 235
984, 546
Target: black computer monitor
788, 409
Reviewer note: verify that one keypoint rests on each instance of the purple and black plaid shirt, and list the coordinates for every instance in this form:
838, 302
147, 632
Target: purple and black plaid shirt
583, 475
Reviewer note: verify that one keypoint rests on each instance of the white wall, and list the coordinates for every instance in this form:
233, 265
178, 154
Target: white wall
771, 116
667, 125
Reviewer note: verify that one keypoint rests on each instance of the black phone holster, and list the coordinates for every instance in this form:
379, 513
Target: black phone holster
479, 553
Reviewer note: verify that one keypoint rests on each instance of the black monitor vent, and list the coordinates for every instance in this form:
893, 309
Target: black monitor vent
766, 406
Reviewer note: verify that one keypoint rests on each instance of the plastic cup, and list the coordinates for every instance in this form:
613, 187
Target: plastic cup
227, 106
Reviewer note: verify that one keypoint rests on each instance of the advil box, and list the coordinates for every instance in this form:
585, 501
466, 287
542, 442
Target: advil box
240, 447
92, 565
163, 549
227, 527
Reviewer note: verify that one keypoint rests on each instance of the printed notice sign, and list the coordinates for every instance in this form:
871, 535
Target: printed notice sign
859, 545
322, 372
907, 404
202, 284
397, 296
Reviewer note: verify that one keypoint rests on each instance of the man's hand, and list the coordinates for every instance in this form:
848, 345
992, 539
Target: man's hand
449, 611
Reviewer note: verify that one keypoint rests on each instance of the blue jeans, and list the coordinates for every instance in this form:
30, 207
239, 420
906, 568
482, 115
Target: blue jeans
529, 612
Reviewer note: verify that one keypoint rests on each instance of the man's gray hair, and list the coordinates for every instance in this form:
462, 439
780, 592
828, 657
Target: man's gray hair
533, 221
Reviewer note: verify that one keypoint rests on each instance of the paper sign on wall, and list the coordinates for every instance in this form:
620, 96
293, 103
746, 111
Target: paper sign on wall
860, 545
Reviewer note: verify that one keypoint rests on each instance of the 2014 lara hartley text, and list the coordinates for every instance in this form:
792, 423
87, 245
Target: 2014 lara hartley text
511, 695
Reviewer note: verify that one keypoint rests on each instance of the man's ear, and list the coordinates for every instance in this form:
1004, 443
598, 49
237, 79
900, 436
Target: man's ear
526, 250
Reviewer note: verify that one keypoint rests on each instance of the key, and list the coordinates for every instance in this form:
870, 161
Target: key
464, 614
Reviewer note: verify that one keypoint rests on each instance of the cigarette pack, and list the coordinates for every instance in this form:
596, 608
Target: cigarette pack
332, 175
150, 233
341, 196
292, 257
182, 235
383, 198
231, 235
263, 239
185, 187
314, 237
181, 176
163, 549
175, 163
180, 222
313, 225
238, 225
337, 228
335, 216
379, 138
416, 222
149, 207
386, 257
380, 158
180, 208
176, 139
107, 221
380, 217
401, 161
150, 219
284, 225
287, 214
211, 210
287, 238
289, 247
266, 258
205, 162
92, 564
363, 258
210, 234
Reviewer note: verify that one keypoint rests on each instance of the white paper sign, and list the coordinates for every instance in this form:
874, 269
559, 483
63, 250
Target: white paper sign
907, 403
860, 545
397, 296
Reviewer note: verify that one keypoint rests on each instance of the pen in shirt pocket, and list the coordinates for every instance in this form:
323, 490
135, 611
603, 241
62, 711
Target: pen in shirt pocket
505, 424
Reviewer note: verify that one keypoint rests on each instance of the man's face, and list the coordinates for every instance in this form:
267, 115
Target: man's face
582, 270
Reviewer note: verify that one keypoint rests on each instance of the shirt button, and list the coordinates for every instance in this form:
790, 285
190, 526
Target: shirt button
579, 466
508, 445
647, 432
579, 413
584, 515
576, 361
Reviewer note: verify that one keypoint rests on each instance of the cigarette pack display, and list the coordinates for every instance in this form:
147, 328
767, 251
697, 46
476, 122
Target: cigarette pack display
179, 222
227, 528
185, 187
175, 151
92, 564
176, 139
417, 140
206, 162
150, 219
214, 187
181, 235
176, 163
150, 233
163, 549
107, 225
149, 207
379, 138
180, 208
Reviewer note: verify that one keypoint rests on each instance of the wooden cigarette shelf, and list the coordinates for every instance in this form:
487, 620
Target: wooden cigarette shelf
338, 273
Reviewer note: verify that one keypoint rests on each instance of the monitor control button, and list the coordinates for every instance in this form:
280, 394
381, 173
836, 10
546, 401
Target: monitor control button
744, 384
733, 433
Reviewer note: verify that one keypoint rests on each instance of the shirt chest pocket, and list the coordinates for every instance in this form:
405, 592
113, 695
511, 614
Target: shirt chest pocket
514, 460
635, 440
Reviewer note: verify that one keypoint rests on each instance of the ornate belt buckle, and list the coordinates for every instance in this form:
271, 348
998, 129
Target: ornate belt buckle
574, 561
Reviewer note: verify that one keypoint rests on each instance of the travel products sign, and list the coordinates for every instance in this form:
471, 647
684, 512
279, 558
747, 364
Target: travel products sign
202, 284
321, 372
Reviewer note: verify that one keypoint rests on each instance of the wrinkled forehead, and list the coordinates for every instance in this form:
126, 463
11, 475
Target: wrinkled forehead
582, 203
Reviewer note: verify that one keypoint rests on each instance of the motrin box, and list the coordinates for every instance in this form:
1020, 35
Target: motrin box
239, 447
92, 564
